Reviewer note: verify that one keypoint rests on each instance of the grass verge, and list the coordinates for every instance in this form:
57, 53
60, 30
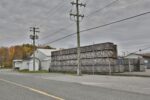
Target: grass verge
27, 71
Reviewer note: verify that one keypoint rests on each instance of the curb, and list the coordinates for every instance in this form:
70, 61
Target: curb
131, 75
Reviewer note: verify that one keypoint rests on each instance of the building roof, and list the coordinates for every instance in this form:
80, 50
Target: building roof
46, 52
17, 60
133, 55
146, 55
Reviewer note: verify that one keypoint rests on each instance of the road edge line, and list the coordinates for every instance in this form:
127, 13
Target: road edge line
32, 89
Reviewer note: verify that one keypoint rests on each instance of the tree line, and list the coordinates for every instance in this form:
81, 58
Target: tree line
8, 54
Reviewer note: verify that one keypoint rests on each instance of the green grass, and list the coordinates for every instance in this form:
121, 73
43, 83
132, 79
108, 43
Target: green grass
5, 68
27, 71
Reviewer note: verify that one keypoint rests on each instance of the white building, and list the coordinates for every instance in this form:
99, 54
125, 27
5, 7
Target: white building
25, 65
44, 56
134, 56
21, 64
17, 63
29, 63
42, 61
136, 62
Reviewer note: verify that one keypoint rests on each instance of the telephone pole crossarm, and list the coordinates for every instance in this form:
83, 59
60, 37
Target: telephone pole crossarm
79, 4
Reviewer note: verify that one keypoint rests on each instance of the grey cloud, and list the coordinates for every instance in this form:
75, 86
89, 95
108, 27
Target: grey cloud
16, 16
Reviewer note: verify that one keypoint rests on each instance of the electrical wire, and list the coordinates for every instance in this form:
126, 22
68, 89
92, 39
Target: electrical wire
104, 25
138, 51
66, 27
98, 10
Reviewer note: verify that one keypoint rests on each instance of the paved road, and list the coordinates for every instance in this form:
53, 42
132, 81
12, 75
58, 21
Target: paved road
28, 87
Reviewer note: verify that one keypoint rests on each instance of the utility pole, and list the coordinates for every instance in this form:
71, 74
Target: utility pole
94, 54
77, 15
109, 65
34, 37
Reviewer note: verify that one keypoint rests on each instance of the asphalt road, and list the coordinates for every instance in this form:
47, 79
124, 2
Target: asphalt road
28, 87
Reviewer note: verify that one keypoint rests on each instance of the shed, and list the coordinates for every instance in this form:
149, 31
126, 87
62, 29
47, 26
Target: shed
134, 56
42, 61
17, 63
134, 62
146, 56
37, 65
43, 58
25, 65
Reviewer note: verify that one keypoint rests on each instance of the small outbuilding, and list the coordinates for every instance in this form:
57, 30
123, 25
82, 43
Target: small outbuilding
44, 56
17, 63
146, 57
134, 62
42, 61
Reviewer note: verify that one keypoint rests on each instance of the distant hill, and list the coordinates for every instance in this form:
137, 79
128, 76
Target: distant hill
7, 55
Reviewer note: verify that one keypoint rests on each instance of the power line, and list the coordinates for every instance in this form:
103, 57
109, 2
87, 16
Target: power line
54, 10
104, 25
92, 13
56, 32
114, 22
137, 45
58, 6
77, 15
98, 10
138, 51
60, 38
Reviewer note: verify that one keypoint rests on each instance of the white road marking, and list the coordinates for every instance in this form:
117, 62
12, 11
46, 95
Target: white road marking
32, 89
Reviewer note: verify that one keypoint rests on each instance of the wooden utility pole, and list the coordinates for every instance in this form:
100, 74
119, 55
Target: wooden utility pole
77, 16
34, 37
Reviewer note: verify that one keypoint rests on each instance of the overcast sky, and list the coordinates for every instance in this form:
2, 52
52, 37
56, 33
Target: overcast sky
52, 17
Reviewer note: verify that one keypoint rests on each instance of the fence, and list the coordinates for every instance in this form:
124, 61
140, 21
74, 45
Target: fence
131, 65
